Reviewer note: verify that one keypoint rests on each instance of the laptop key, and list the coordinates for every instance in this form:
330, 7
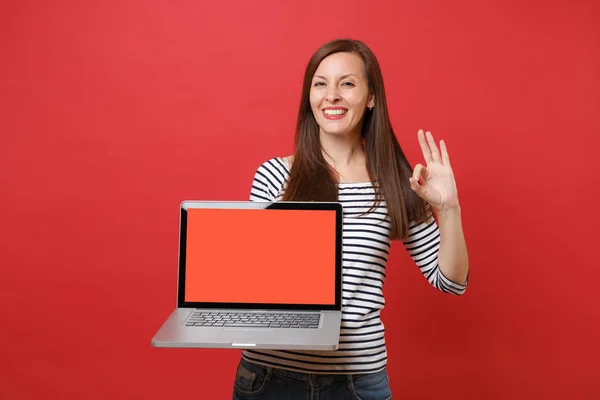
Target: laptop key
246, 325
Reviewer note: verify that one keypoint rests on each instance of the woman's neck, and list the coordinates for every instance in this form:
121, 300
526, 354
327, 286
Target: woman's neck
342, 151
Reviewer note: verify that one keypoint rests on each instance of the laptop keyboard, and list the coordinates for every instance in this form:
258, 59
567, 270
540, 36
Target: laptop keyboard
254, 319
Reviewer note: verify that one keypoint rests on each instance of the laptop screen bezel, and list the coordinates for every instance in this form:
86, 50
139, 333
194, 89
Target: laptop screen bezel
280, 205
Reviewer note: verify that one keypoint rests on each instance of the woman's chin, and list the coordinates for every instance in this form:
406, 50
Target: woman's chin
337, 131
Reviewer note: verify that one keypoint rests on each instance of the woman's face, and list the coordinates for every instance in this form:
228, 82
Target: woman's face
339, 94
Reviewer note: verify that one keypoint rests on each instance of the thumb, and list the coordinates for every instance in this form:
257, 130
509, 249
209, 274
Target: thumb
415, 186
421, 191
419, 172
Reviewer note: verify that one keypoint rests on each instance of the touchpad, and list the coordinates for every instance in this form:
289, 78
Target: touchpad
253, 335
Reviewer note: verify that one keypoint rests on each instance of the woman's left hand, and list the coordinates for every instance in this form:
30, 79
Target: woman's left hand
437, 186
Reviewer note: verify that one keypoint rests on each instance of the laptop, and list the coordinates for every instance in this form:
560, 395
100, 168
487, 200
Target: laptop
257, 275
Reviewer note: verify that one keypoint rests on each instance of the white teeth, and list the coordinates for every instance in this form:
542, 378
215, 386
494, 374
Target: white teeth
335, 112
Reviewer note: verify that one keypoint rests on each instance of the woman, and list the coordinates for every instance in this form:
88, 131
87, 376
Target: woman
346, 151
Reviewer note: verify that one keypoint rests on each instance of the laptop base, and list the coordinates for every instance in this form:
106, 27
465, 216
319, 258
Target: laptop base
175, 334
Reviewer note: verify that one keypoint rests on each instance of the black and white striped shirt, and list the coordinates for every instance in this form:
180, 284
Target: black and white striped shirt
366, 249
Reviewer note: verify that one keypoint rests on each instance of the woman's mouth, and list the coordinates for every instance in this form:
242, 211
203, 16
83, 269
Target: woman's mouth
334, 113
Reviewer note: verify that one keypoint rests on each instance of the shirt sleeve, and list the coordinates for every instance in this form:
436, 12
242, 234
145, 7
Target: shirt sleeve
267, 181
423, 245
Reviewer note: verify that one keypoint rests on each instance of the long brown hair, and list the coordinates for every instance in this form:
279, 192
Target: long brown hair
313, 179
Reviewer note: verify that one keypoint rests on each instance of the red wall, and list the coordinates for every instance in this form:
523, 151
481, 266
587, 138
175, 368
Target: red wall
112, 112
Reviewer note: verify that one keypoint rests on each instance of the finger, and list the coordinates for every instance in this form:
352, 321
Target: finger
445, 156
424, 146
414, 185
435, 154
420, 172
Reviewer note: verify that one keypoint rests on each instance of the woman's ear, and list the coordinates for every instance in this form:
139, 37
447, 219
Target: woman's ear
371, 102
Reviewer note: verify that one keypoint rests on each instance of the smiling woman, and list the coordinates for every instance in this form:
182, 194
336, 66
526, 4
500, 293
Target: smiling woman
339, 101
344, 135
346, 151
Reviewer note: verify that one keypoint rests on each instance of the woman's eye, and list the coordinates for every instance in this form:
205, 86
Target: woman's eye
348, 84
319, 84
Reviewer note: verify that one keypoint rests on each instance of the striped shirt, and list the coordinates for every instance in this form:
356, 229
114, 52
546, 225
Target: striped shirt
366, 249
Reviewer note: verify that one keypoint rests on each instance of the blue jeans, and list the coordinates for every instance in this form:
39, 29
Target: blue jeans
257, 382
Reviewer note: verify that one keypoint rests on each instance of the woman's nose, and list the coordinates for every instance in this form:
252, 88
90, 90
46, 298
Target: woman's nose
332, 95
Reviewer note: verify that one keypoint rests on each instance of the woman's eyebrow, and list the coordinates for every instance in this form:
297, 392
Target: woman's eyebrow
341, 77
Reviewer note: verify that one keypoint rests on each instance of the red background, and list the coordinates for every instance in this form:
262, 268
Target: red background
113, 112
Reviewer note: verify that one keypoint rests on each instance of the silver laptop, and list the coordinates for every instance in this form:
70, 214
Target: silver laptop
255, 275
